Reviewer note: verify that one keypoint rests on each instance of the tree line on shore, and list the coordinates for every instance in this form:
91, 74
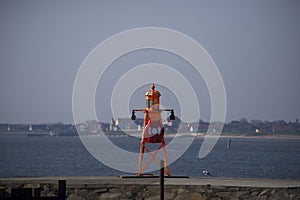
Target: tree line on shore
242, 126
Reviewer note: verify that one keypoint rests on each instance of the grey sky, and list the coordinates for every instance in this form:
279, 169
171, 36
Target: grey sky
255, 44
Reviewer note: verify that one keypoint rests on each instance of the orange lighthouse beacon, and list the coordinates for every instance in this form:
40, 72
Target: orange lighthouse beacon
153, 131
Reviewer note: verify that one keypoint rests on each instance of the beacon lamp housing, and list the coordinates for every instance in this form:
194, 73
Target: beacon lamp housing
172, 116
133, 116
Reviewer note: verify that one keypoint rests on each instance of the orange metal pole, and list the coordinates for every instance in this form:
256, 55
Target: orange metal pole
165, 158
142, 148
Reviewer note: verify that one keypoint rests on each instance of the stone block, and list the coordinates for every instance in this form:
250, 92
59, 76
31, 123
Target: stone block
226, 195
189, 196
180, 190
74, 197
157, 197
109, 195
170, 195
240, 193
264, 192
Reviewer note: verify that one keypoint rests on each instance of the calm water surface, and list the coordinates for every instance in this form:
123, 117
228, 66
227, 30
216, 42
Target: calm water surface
22, 156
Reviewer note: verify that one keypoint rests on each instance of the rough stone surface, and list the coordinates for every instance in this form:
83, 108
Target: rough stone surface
120, 191
74, 197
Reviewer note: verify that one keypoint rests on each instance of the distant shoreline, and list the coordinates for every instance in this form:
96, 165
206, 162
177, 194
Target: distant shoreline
274, 136
289, 137
171, 135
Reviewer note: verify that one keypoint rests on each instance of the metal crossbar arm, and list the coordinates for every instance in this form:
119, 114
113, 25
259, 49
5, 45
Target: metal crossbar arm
161, 110
133, 116
172, 116
141, 110
166, 110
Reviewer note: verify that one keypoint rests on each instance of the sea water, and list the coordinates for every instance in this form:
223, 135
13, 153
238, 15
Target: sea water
23, 156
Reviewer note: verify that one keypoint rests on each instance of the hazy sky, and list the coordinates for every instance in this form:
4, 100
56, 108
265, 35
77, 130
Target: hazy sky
255, 44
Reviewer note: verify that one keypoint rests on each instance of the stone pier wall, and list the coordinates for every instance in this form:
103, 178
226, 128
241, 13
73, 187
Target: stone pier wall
149, 192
